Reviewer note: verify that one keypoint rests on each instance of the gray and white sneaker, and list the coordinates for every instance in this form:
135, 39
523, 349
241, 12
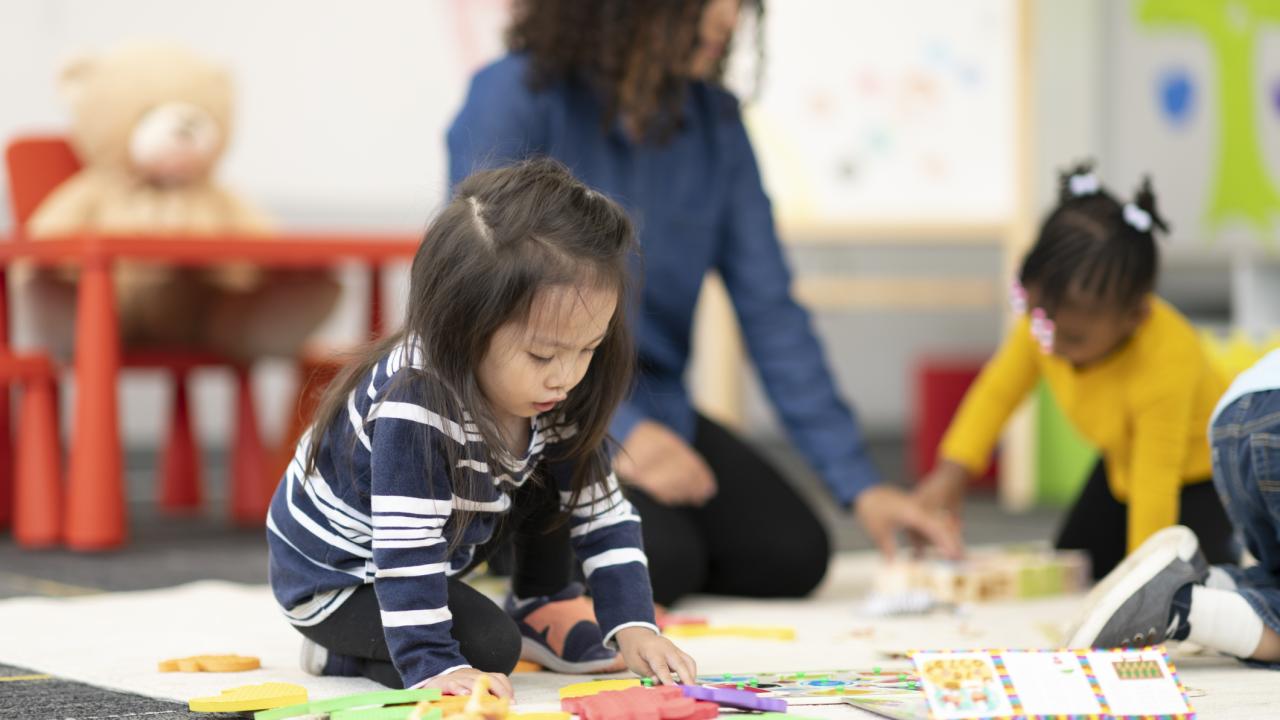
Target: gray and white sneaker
1133, 606
313, 657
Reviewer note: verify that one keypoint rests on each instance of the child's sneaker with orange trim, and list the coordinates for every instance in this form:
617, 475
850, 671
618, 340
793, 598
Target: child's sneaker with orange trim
560, 633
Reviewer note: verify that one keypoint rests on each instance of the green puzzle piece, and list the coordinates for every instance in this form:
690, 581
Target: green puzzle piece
385, 713
351, 702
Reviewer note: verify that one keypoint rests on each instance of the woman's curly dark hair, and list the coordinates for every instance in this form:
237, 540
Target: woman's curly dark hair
634, 53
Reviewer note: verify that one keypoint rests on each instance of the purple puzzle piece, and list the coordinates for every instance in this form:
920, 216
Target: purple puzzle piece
741, 699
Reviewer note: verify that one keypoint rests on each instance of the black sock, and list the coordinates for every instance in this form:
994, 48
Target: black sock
1179, 612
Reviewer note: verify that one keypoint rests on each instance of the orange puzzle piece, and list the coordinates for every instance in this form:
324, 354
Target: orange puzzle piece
211, 663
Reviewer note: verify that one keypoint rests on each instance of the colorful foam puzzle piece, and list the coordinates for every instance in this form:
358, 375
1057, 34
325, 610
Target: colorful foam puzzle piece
816, 687
451, 704
527, 666
245, 698
211, 663
660, 703
584, 689
480, 705
398, 712
740, 699
739, 686
754, 632
349, 702
666, 620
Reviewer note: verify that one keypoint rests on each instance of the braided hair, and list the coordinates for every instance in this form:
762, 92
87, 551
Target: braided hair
1095, 246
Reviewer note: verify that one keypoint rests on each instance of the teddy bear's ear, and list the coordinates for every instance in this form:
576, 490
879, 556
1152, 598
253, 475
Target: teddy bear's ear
74, 76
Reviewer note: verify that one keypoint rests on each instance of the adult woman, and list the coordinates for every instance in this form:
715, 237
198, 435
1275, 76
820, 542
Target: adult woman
627, 94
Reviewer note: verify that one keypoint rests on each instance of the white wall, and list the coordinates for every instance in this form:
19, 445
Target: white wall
342, 108
340, 118
341, 104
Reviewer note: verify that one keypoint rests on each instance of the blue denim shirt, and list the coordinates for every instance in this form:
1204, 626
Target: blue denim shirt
699, 205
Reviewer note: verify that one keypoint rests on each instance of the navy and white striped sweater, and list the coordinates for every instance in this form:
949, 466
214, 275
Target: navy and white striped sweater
376, 515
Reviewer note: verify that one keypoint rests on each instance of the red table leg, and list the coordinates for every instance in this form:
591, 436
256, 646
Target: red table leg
375, 301
251, 486
6, 440
95, 487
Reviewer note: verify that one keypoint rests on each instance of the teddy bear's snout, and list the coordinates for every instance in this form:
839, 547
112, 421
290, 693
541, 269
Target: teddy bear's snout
175, 143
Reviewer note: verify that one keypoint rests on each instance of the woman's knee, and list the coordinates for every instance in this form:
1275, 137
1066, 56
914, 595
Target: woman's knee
676, 570
806, 553
790, 565
491, 643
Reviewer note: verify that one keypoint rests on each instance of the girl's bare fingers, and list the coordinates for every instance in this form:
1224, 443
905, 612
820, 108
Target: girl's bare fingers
501, 685
684, 666
661, 670
457, 687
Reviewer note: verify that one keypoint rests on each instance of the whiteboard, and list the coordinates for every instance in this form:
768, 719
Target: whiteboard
876, 112
1213, 152
872, 111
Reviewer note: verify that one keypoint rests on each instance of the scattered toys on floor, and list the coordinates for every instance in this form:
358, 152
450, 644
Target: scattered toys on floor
754, 632
594, 687
247, 698
332, 706
664, 618
817, 687
211, 663
1015, 572
667, 702
739, 699
480, 705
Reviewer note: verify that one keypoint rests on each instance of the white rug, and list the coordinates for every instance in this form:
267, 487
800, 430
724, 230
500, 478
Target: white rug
115, 640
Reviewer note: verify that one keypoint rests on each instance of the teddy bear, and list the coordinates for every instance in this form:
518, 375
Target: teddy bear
149, 124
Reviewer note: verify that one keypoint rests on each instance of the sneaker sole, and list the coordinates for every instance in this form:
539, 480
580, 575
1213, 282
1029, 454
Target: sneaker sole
1135, 571
313, 657
534, 651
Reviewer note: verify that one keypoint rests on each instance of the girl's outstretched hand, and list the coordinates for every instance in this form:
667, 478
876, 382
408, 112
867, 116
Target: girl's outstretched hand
943, 488
468, 680
650, 655
884, 510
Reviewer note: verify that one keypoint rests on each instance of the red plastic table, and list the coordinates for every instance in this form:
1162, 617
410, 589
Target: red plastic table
95, 508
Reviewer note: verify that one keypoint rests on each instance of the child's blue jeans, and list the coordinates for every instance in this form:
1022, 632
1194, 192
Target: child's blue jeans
1246, 473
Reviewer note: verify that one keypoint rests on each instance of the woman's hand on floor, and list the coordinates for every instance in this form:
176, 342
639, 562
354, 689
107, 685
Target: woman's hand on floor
884, 510
463, 681
649, 654
659, 462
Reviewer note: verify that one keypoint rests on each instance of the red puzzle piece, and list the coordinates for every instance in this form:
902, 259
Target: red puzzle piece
660, 703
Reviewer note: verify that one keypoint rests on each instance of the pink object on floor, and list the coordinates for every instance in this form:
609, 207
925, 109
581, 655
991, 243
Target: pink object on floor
661, 703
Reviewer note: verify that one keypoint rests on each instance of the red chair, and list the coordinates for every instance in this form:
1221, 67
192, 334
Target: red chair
940, 384
37, 165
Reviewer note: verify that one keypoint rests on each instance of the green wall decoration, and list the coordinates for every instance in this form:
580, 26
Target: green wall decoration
1242, 188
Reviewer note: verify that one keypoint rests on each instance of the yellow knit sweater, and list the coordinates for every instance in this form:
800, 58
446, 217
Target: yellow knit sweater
1145, 407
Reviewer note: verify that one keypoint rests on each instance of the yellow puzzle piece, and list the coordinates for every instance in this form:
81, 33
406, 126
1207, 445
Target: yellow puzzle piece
251, 697
211, 663
756, 632
583, 689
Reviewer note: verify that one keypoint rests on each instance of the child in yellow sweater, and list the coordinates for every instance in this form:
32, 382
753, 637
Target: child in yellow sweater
1126, 368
